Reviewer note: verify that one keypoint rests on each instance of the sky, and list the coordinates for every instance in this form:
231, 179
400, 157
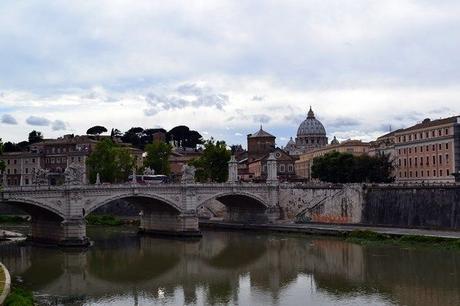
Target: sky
226, 67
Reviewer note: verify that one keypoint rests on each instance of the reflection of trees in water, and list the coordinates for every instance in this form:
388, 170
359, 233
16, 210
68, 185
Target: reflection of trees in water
122, 263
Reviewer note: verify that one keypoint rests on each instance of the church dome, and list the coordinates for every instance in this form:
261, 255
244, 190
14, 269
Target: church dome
311, 126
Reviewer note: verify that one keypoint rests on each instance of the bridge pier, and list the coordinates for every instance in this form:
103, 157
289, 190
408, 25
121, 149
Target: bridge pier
166, 223
65, 233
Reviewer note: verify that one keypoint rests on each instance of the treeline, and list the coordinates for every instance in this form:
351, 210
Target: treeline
336, 167
138, 137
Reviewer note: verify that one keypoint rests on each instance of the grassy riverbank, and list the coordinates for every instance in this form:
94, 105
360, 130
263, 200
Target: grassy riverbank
19, 297
107, 220
368, 237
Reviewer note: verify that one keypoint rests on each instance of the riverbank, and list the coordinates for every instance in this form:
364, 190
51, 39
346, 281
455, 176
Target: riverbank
335, 229
5, 283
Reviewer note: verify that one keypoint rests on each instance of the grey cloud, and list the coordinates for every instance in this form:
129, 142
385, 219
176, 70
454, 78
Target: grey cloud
261, 118
8, 119
58, 125
294, 118
257, 98
184, 96
37, 121
342, 122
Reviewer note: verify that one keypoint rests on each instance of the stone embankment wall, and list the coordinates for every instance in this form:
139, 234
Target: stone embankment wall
321, 203
412, 206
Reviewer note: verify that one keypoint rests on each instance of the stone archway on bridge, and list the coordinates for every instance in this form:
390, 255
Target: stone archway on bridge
241, 207
158, 215
46, 222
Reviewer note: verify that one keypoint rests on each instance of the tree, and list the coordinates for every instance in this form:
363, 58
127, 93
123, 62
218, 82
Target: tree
133, 136
2, 162
113, 162
336, 167
115, 133
212, 165
186, 137
96, 130
35, 137
158, 157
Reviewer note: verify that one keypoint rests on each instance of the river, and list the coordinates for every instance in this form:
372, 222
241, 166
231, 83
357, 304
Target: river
236, 268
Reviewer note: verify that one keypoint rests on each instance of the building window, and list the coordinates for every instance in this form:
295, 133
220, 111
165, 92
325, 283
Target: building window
8, 161
440, 147
410, 150
439, 133
15, 171
440, 159
399, 140
15, 161
447, 146
427, 172
405, 174
405, 162
427, 160
400, 174
427, 148
415, 136
410, 161
432, 133
399, 162
410, 137
410, 173
447, 158
290, 168
434, 160
421, 161
447, 172
52, 160
434, 172
440, 172
421, 174
27, 170
399, 151
282, 168
404, 138
447, 131
415, 161
27, 181
416, 173
8, 171
434, 148
415, 149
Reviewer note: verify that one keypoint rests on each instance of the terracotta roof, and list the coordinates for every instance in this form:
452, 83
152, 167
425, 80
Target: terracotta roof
430, 123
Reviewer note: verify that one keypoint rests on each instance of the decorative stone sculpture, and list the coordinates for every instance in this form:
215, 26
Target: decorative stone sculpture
98, 179
188, 174
74, 174
148, 171
40, 176
232, 170
4, 180
272, 175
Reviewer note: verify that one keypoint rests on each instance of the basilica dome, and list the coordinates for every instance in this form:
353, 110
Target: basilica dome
311, 126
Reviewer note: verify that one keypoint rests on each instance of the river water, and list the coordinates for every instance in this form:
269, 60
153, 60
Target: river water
234, 268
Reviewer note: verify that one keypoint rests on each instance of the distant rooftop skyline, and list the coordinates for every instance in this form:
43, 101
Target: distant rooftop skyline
226, 67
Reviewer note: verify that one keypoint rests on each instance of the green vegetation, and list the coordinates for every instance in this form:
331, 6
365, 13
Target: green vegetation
19, 297
96, 130
158, 157
213, 164
12, 219
35, 137
370, 237
113, 162
336, 167
103, 220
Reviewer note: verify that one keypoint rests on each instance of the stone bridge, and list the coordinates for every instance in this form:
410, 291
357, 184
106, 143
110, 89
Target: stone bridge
58, 212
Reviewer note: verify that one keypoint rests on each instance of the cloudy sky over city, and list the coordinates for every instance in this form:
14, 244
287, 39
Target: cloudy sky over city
225, 67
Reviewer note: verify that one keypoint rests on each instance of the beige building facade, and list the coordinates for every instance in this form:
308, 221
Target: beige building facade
428, 152
305, 162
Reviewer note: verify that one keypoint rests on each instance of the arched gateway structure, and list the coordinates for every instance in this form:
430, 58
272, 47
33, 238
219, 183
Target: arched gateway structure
58, 212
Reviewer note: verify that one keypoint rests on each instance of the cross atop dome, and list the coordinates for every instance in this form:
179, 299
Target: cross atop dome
311, 114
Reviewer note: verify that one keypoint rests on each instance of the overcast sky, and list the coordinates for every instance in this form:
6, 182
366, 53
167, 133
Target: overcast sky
225, 67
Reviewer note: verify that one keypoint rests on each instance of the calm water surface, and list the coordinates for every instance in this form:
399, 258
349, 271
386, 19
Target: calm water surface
234, 268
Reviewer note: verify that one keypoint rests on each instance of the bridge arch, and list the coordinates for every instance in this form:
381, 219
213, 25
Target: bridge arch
240, 206
33, 207
233, 197
143, 200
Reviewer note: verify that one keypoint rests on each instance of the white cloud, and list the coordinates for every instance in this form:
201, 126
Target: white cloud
58, 125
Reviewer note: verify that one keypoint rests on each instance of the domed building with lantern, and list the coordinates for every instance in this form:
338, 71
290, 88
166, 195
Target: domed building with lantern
311, 135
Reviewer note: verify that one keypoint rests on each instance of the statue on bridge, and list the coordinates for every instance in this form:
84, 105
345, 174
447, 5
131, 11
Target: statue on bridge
188, 174
74, 174
40, 176
148, 171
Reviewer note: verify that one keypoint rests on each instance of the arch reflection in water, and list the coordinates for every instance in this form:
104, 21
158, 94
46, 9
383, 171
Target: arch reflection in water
237, 268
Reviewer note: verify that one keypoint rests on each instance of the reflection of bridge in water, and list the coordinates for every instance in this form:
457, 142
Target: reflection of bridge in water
130, 265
